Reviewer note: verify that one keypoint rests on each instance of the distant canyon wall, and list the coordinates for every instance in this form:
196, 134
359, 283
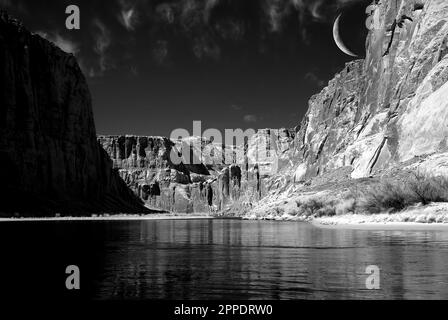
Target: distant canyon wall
225, 175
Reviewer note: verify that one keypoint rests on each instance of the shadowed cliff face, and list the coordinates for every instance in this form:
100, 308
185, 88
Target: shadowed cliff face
50, 159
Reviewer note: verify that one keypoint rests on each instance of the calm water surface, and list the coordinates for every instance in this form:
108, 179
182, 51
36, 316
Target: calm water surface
220, 259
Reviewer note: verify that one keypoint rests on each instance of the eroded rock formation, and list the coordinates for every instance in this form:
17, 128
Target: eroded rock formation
223, 176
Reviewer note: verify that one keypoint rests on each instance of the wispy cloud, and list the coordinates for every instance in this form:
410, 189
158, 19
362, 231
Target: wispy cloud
307, 11
13, 5
133, 71
128, 19
103, 41
165, 12
206, 28
314, 79
209, 6
319, 9
275, 11
63, 43
160, 51
250, 118
191, 14
205, 47
5, 3
128, 16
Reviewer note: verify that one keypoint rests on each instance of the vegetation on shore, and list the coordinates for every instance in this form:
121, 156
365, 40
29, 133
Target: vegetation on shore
386, 195
393, 196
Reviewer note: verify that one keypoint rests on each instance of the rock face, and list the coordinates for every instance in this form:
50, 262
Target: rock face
214, 173
378, 115
50, 159
145, 165
388, 108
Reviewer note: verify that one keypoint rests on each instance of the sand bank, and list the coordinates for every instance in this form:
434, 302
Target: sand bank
114, 218
433, 216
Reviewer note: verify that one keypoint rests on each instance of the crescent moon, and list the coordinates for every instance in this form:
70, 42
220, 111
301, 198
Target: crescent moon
338, 39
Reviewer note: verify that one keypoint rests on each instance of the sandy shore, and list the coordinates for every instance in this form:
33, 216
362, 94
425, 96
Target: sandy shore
411, 226
430, 217
114, 218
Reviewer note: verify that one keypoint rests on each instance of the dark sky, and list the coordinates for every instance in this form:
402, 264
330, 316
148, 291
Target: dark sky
153, 66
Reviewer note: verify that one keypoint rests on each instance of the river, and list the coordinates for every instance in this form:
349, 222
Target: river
220, 259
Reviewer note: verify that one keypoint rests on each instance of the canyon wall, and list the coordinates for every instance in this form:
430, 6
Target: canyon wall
50, 159
379, 117
388, 108
214, 173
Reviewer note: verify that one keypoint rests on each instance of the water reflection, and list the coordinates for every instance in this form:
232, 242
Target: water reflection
232, 259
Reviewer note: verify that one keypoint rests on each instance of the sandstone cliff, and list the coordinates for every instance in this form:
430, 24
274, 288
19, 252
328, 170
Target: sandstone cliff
385, 109
385, 113
50, 159
227, 174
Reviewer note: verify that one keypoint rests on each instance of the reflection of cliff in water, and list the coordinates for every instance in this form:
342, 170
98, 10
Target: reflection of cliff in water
213, 259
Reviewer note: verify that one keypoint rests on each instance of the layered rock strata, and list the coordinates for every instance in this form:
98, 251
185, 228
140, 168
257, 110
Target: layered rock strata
214, 174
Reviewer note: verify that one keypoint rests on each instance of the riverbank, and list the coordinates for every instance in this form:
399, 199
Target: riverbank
432, 214
382, 226
122, 217
429, 217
